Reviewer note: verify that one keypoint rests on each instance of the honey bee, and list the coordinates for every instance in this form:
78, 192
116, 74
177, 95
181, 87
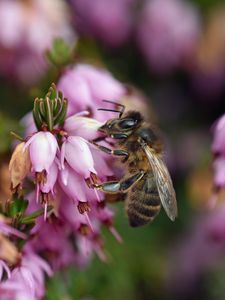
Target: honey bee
147, 183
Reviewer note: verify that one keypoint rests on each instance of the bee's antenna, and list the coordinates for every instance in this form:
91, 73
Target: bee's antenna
118, 104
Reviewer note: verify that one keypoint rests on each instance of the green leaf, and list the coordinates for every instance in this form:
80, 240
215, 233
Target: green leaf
61, 117
36, 114
17, 206
61, 53
32, 217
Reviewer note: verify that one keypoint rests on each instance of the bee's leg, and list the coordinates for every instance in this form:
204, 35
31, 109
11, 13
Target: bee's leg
119, 136
116, 152
98, 139
122, 186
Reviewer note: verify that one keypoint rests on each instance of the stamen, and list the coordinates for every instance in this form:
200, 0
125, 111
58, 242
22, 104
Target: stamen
100, 253
84, 208
86, 248
45, 211
116, 234
97, 195
37, 192
89, 221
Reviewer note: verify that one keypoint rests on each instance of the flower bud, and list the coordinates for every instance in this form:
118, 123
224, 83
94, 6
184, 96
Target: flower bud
19, 165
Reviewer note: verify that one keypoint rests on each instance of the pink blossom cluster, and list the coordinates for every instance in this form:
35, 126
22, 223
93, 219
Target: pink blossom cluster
27, 29
204, 243
218, 149
198, 251
165, 31
168, 33
109, 21
61, 162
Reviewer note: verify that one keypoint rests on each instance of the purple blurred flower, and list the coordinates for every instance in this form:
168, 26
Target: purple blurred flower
27, 280
86, 86
108, 21
4, 267
8, 230
27, 29
218, 149
167, 33
197, 252
8, 251
218, 146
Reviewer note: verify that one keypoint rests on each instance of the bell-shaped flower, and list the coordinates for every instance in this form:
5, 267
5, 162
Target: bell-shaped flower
78, 155
82, 126
73, 184
27, 280
70, 214
42, 147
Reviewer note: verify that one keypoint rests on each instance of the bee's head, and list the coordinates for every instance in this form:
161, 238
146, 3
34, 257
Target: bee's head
122, 127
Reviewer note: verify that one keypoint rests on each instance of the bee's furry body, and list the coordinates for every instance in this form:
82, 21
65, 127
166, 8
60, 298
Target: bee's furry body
146, 183
142, 203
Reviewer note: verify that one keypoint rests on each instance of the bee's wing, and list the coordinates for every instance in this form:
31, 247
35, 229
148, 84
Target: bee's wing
164, 183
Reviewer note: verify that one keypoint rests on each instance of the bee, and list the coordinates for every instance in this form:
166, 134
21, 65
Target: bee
146, 184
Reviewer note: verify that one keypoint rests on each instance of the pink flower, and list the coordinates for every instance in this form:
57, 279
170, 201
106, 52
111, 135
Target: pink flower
27, 30
167, 33
73, 184
109, 21
4, 267
205, 244
218, 149
82, 126
70, 214
8, 230
218, 146
27, 280
219, 171
86, 86
42, 147
63, 163
78, 155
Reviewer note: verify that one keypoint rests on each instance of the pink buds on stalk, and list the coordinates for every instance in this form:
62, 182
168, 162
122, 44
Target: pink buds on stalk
59, 162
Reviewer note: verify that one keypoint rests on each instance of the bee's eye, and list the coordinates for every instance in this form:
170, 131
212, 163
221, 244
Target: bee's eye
127, 123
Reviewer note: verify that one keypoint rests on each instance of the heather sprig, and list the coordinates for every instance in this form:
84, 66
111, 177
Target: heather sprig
53, 216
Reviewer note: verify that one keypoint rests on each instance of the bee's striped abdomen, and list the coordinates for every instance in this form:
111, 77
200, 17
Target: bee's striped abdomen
143, 202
